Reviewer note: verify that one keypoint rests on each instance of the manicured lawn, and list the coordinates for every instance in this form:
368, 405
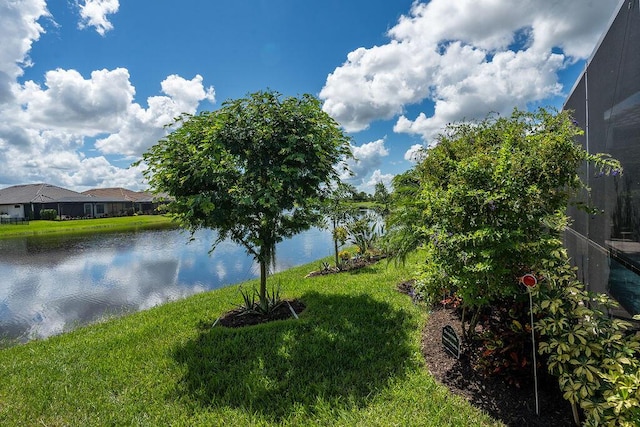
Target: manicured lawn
124, 223
352, 359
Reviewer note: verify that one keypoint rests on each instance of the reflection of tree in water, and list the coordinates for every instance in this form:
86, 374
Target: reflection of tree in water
626, 216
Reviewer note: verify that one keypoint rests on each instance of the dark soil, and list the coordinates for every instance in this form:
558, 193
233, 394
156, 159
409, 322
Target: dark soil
513, 405
238, 318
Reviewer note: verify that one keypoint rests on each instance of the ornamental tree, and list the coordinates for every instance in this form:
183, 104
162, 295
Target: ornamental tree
255, 170
338, 209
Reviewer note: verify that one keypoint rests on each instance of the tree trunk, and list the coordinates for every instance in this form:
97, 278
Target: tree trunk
264, 304
473, 322
335, 241
469, 330
463, 318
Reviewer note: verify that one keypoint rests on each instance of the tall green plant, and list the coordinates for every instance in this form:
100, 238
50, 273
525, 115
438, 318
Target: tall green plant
404, 222
339, 211
364, 233
491, 200
382, 197
595, 357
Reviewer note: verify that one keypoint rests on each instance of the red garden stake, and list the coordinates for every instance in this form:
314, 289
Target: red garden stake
530, 281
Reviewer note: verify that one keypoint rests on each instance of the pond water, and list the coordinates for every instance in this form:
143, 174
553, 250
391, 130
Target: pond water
49, 285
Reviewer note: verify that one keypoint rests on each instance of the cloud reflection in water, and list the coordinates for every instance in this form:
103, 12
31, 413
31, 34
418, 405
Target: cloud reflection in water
53, 284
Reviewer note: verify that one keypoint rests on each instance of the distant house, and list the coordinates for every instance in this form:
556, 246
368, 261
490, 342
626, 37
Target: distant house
27, 201
123, 201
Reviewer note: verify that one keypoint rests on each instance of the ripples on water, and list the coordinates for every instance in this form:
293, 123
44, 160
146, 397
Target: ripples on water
52, 284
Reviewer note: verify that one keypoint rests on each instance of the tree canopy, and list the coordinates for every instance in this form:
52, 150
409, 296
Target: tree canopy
255, 170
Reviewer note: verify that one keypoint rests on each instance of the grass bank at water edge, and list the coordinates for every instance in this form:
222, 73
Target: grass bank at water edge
351, 359
79, 226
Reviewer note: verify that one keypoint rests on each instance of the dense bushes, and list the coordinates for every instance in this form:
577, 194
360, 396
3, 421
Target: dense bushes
594, 356
48, 214
488, 203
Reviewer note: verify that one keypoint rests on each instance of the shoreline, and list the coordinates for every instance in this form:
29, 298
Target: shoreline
80, 226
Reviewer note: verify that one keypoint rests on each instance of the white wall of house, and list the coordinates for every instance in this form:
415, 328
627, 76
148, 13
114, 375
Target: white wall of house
14, 211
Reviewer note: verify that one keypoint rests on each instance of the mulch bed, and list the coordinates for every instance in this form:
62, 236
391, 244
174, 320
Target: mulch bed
513, 405
238, 318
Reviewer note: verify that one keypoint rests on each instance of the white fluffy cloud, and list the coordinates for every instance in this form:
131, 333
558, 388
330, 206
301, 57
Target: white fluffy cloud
468, 57
104, 105
367, 158
141, 128
70, 102
376, 83
19, 29
93, 13
415, 153
375, 178
54, 126
53, 157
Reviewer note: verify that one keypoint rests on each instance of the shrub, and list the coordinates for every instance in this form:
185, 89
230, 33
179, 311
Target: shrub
48, 214
363, 233
251, 301
594, 356
489, 199
505, 342
371, 253
489, 203
344, 255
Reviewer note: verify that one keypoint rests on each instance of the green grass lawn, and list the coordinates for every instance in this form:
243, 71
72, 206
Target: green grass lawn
77, 226
352, 359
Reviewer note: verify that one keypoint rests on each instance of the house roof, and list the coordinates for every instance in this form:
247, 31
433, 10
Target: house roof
120, 194
39, 193
46, 193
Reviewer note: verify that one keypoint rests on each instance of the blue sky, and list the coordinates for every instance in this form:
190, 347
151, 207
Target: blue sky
87, 85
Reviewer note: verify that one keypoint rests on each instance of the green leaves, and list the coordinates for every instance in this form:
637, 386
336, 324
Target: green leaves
488, 202
491, 198
594, 357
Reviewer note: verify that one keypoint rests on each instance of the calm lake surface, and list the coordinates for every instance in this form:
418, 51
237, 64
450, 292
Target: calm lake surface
49, 285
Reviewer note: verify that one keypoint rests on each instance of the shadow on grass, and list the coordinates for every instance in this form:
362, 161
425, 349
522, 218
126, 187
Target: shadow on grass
341, 351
